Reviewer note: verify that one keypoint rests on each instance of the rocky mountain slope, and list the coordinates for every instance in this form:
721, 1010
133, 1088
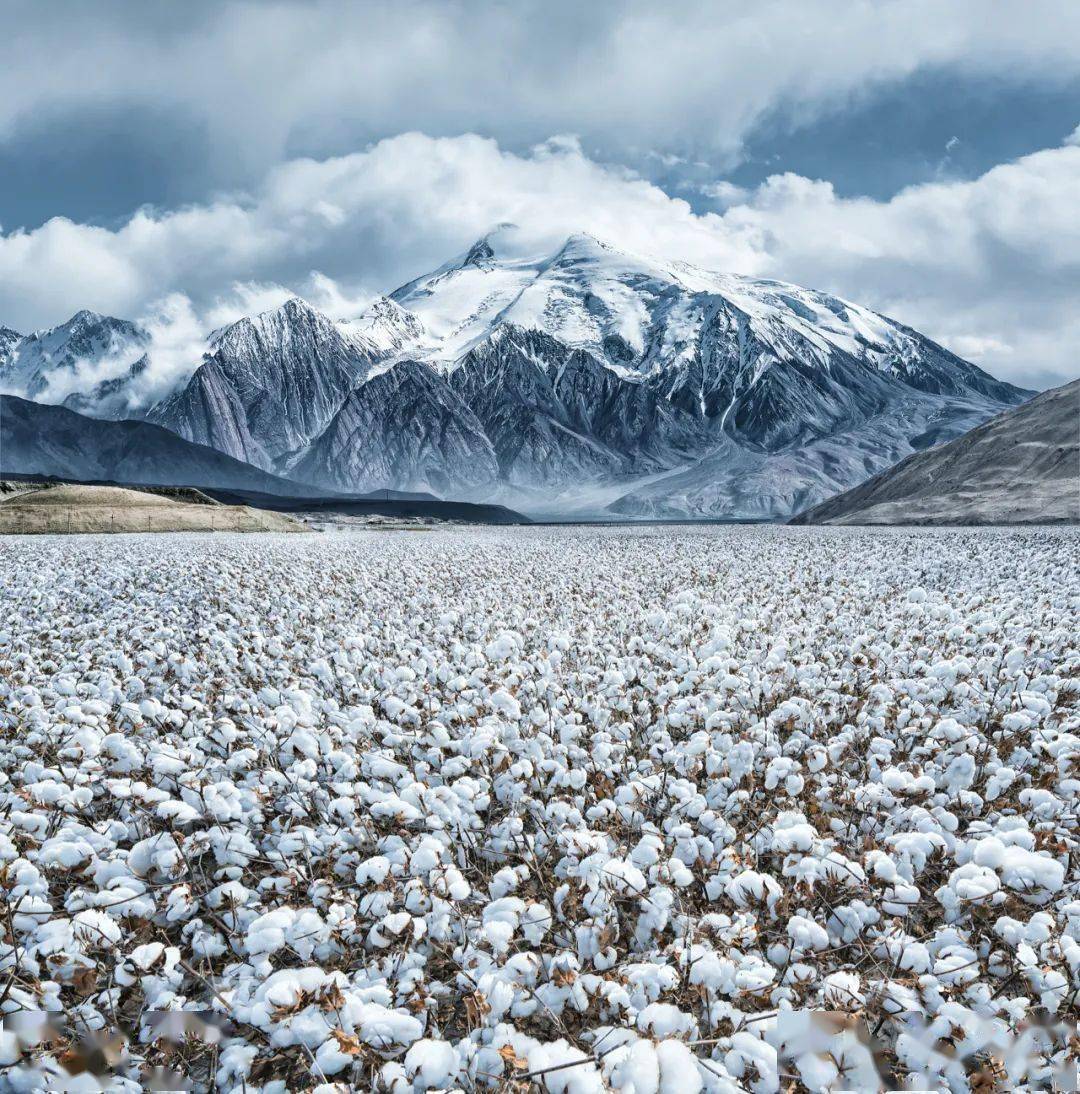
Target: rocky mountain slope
53, 441
404, 426
270, 386
583, 378
1021, 467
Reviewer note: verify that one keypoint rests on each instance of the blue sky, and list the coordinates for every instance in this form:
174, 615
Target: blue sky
205, 159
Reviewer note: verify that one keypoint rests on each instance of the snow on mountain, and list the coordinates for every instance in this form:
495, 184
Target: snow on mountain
384, 330
644, 315
86, 364
9, 339
270, 385
585, 375
729, 395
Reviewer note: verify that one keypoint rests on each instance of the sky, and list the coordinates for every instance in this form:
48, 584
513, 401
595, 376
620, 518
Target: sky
186, 164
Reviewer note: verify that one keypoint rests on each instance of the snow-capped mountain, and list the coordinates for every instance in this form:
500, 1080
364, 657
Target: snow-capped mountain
87, 364
272, 383
643, 316
667, 389
583, 378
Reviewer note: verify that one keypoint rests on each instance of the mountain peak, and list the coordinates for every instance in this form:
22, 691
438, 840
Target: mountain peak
383, 329
588, 241
279, 327
84, 318
294, 311
298, 308
480, 253
382, 307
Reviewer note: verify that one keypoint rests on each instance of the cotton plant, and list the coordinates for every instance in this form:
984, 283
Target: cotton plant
647, 810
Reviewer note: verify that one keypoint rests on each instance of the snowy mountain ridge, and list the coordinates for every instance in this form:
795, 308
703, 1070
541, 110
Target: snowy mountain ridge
84, 364
638, 314
571, 380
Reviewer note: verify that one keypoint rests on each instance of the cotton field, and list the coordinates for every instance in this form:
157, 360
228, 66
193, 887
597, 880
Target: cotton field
646, 810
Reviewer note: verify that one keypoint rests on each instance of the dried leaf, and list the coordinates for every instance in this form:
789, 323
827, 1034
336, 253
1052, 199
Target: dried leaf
513, 1059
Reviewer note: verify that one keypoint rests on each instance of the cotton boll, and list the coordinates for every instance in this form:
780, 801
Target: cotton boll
702, 811
431, 1065
662, 1020
753, 1062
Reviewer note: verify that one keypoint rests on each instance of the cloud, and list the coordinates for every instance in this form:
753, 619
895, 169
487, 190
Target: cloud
266, 80
723, 193
990, 266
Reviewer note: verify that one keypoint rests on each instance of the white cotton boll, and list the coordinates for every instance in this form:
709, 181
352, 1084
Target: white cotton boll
679, 1070
306, 932
791, 832
622, 876
146, 956
448, 881
267, 933
392, 808
989, 852
806, 934
752, 1061
678, 873
10, 1049
504, 647
373, 871
1031, 871
648, 850
999, 782
753, 974
535, 922
157, 857
842, 990
960, 774
900, 899
896, 780
498, 935
637, 1070
750, 888
505, 881
663, 1020
180, 904
957, 965
331, 1059
64, 853
432, 1065
502, 702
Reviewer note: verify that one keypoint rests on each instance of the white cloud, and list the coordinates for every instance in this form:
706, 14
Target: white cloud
990, 267
177, 343
723, 193
262, 78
